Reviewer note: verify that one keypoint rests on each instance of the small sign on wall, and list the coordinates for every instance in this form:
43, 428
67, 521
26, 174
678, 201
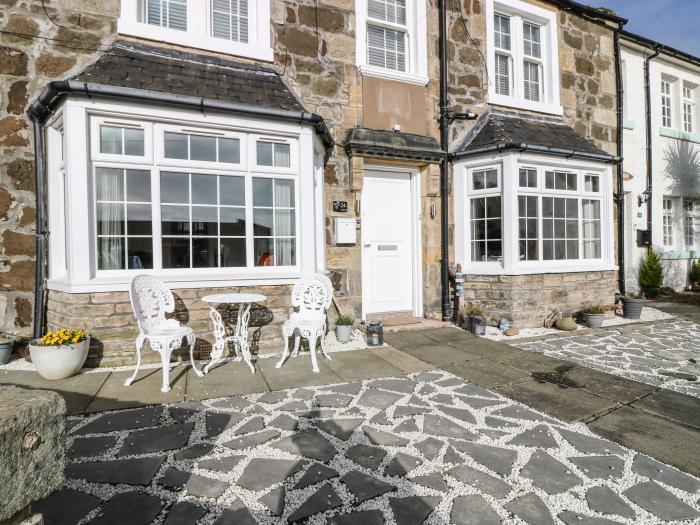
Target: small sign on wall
340, 206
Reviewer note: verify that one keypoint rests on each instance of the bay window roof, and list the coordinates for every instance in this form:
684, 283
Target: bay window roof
495, 131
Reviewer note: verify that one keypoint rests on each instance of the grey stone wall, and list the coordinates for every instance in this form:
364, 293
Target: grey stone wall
528, 299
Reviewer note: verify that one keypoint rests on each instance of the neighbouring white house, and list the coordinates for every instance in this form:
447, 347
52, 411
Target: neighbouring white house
662, 157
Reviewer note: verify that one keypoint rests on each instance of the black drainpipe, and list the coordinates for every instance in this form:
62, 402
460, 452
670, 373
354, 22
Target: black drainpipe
41, 229
620, 195
647, 96
444, 165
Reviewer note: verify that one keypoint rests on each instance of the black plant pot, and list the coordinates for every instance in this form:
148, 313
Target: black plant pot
465, 322
632, 308
652, 291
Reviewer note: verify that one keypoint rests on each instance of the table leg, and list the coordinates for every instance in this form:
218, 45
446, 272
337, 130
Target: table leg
242, 334
219, 339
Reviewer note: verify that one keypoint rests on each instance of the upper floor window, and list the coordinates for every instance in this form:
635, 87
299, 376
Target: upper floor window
238, 27
523, 56
688, 109
391, 39
668, 222
666, 104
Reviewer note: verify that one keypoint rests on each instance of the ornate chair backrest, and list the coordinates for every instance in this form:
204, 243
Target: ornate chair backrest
151, 299
312, 294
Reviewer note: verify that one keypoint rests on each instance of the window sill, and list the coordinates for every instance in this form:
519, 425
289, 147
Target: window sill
528, 105
628, 124
174, 281
671, 254
183, 38
497, 269
677, 134
397, 76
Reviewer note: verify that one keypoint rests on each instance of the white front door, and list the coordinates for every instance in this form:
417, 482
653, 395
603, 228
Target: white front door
388, 226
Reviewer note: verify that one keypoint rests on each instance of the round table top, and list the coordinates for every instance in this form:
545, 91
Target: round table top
232, 298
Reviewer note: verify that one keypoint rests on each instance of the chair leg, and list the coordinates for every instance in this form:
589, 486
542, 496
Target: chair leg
323, 347
139, 344
297, 342
312, 349
165, 361
190, 341
285, 352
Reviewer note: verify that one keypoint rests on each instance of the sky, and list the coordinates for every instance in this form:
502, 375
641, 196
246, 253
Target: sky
671, 22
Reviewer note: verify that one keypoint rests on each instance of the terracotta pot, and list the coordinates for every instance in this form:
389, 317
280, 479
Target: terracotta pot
58, 362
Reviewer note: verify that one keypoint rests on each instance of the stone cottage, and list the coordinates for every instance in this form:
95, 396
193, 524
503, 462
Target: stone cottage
270, 139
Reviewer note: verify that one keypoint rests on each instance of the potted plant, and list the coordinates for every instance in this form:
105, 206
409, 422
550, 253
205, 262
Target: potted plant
594, 315
632, 306
651, 273
695, 274
6, 343
467, 314
343, 328
60, 354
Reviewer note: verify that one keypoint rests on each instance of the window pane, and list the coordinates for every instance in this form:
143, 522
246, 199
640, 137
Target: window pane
232, 221
592, 183
528, 178
134, 142
177, 14
175, 145
111, 140
262, 222
204, 189
110, 184
264, 252
174, 187
264, 153
205, 252
284, 223
232, 190
230, 150
549, 180
531, 40
230, 20
501, 27
140, 253
486, 233
176, 252
386, 48
393, 11
571, 184
285, 252
531, 81
281, 158
110, 219
203, 148
205, 220
478, 208
262, 192
284, 193
175, 220
233, 252
138, 186
527, 222
139, 219
110, 253
502, 74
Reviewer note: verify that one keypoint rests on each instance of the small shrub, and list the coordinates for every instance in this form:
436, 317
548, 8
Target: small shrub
695, 272
593, 309
471, 309
345, 320
651, 272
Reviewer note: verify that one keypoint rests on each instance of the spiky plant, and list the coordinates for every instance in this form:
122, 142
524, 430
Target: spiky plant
683, 168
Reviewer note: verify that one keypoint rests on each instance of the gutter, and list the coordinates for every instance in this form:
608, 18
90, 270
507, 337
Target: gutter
653, 44
39, 320
44, 105
620, 195
647, 117
537, 148
444, 166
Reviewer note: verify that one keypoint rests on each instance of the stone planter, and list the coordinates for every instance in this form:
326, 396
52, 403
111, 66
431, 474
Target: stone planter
594, 320
58, 362
343, 332
632, 308
5, 350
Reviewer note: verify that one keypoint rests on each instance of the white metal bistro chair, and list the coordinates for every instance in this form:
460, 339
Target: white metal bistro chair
312, 296
151, 299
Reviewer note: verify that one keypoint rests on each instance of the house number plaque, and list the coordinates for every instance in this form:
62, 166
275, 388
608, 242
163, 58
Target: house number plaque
340, 206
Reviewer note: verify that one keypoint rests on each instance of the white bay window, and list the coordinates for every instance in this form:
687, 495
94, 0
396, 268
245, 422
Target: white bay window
207, 202
523, 56
536, 216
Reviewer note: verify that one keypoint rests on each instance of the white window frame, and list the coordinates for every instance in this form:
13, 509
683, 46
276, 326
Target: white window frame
509, 166
667, 207
519, 12
72, 211
199, 34
690, 224
688, 107
666, 92
416, 44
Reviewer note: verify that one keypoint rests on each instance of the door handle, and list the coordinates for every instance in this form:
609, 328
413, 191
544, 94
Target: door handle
387, 247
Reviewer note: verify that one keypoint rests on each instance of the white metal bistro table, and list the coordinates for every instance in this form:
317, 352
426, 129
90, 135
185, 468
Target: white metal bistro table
240, 333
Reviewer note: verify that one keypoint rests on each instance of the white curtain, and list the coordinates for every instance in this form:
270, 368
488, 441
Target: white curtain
111, 216
284, 222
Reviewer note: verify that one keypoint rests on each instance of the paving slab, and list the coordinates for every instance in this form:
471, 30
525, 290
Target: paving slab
596, 467
236, 514
296, 372
486, 483
379, 437
221, 464
361, 364
672, 405
539, 436
606, 385
665, 474
434, 481
548, 474
324, 499
430, 447
660, 438
401, 360
262, 473
364, 487
401, 464
569, 404
361, 517
381, 399
138, 471
440, 355
413, 510
274, 500
194, 484
660, 502
498, 459
442, 427
141, 509
606, 501
309, 444
252, 440
316, 473
195, 451
90, 446
342, 428
123, 420
65, 506
531, 509
229, 379
144, 391
284, 422
473, 510
488, 374
168, 437
575, 518
217, 422
403, 340
184, 513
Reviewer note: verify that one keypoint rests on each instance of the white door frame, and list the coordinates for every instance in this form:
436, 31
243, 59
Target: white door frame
416, 231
